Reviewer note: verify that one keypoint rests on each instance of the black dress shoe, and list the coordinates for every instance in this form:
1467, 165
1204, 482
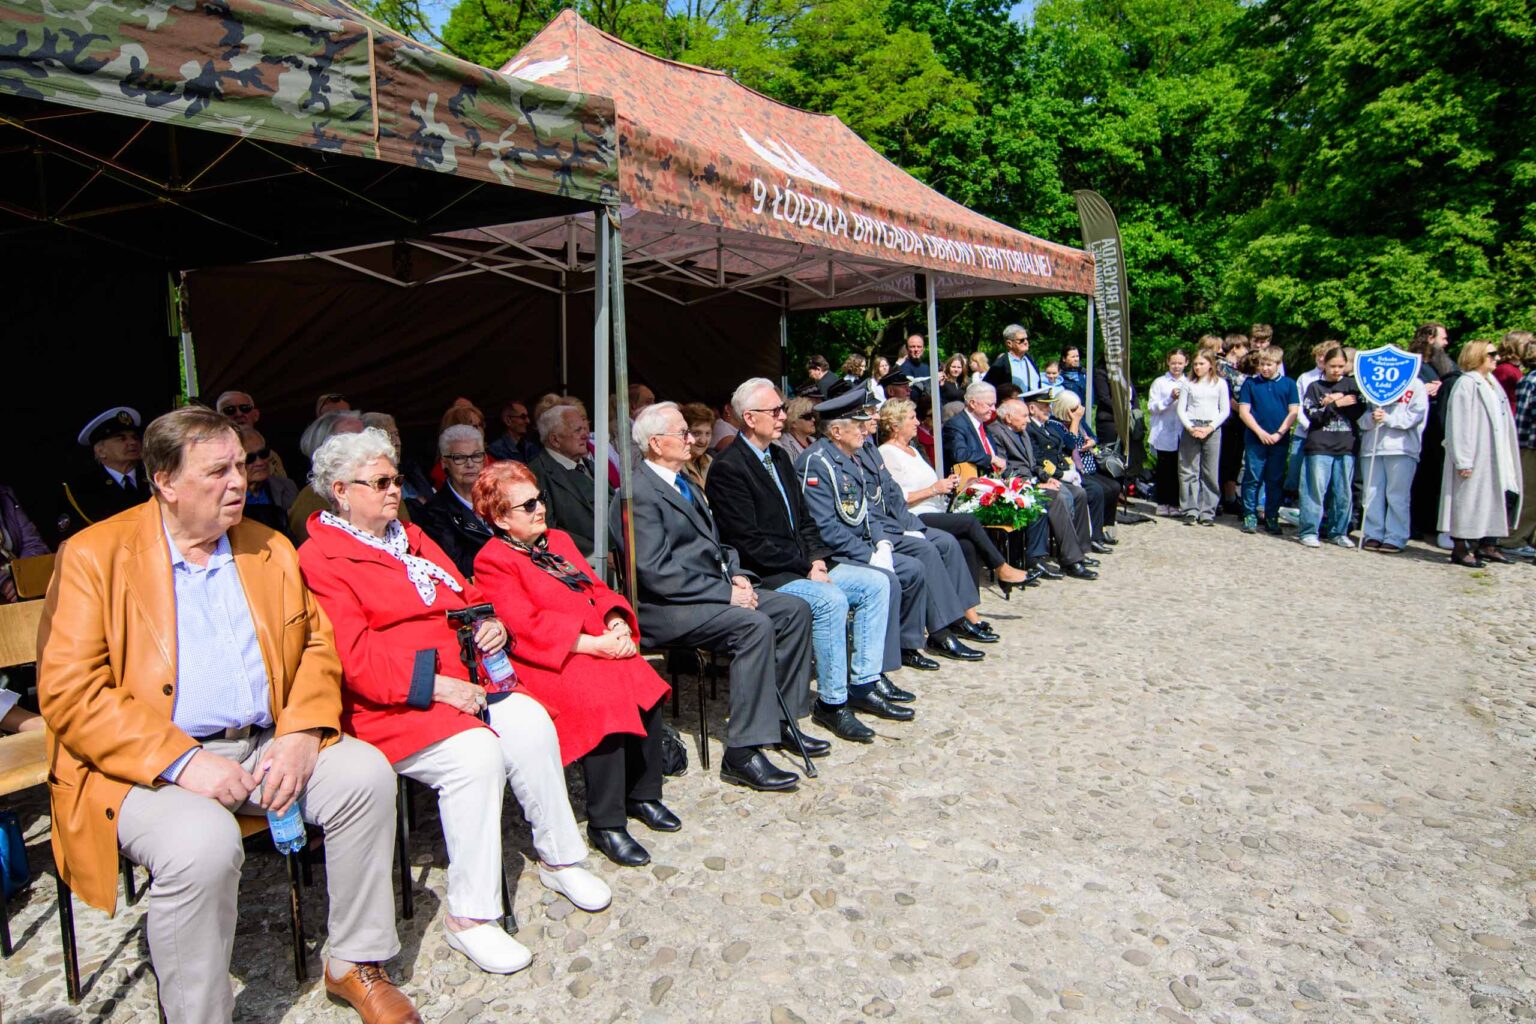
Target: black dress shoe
654, 814
975, 631
1111, 541
1044, 572
1081, 572
914, 658
983, 624
872, 703
891, 692
757, 772
813, 747
840, 721
1098, 547
618, 846
954, 649
1091, 563
1031, 577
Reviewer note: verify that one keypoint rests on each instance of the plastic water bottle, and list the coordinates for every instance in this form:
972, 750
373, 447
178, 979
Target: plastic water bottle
288, 829
498, 667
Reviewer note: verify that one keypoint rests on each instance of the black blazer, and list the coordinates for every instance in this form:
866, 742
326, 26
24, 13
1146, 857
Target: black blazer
458, 531
91, 495
751, 516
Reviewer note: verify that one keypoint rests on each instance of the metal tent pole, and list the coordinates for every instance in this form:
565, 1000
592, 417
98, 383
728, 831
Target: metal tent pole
178, 310
601, 330
1088, 367
621, 388
784, 351
933, 374
565, 361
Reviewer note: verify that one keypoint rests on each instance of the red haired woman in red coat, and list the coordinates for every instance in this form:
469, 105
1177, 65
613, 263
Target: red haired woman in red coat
576, 652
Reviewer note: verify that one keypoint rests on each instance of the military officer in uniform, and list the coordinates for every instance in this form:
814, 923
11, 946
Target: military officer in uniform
116, 481
847, 502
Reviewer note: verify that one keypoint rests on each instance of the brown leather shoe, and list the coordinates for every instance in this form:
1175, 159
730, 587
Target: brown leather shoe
368, 990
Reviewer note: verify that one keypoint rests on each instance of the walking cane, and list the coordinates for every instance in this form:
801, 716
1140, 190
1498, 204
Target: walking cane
466, 634
1370, 468
794, 730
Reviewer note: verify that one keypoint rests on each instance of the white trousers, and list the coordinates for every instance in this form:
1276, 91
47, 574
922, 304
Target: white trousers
467, 770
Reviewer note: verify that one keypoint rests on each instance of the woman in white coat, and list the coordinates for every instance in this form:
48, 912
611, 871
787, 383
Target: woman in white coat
1480, 486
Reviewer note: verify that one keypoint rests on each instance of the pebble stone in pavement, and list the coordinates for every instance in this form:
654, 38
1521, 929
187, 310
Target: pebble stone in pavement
1234, 780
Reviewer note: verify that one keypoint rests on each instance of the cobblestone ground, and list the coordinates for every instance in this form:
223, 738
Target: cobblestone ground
1202, 788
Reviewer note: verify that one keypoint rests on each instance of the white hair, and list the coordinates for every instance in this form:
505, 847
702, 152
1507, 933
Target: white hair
650, 422
980, 389
1011, 406
459, 432
1012, 331
219, 402
324, 427
1063, 404
341, 456
743, 394
552, 420
382, 420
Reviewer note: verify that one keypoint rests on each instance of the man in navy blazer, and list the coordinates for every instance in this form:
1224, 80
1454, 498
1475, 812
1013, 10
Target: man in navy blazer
965, 434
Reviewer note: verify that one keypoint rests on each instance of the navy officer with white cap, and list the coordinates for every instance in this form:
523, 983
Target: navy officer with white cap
116, 481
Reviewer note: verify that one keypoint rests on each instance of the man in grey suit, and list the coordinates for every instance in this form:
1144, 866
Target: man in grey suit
564, 469
691, 589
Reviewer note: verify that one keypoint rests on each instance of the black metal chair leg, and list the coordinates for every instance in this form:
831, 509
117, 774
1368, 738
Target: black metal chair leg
703, 728
5, 925
67, 938
509, 921
714, 678
306, 861
403, 848
296, 917
131, 893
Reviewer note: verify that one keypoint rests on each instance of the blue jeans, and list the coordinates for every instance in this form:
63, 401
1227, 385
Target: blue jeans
1293, 465
1326, 497
1388, 491
868, 592
1263, 470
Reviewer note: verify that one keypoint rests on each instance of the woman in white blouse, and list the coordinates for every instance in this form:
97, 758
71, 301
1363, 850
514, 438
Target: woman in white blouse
928, 496
1164, 429
1203, 406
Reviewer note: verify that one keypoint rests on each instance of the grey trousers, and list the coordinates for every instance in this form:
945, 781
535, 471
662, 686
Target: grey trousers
950, 588
770, 646
1199, 474
191, 846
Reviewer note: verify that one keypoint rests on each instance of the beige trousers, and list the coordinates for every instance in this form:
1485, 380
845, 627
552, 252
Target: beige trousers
191, 846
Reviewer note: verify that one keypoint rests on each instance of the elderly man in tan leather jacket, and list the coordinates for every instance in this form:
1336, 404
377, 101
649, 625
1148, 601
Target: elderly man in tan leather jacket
185, 673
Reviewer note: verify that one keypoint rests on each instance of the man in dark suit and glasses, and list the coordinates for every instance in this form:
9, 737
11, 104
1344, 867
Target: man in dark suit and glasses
564, 469
761, 512
691, 589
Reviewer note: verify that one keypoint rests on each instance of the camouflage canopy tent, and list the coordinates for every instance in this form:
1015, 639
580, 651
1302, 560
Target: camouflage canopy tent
736, 209
138, 141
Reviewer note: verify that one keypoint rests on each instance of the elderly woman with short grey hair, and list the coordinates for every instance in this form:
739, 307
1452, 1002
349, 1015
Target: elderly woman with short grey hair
448, 517
388, 591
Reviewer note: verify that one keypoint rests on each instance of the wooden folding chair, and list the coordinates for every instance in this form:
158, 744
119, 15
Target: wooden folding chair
31, 575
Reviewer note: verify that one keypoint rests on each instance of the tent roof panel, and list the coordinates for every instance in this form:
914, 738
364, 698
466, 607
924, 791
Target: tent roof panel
699, 147
310, 73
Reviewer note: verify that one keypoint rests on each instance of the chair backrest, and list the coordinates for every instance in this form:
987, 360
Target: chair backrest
32, 575
966, 471
18, 632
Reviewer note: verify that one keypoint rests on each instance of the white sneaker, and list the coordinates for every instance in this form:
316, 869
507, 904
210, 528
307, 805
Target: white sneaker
1309, 540
1290, 516
491, 948
1444, 543
1343, 541
578, 885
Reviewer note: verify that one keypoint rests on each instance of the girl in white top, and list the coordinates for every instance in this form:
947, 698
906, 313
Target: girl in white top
1164, 430
1202, 408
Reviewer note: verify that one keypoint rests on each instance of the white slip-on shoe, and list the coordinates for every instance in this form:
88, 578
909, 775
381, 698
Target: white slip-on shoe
491, 948
1309, 540
578, 885
1343, 540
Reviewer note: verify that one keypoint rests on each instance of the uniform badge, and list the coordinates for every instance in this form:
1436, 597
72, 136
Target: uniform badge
811, 481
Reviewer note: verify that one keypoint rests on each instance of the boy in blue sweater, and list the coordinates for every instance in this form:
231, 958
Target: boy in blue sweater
1268, 405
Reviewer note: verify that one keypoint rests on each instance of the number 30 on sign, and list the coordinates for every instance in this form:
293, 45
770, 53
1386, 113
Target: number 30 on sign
1385, 374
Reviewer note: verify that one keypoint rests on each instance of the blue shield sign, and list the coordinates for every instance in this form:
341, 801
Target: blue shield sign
1385, 374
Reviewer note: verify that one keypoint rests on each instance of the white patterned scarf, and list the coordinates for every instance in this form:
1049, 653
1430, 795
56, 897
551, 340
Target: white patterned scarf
422, 571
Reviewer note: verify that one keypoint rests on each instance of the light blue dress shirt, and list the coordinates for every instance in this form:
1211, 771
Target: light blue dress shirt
1025, 373
221, 679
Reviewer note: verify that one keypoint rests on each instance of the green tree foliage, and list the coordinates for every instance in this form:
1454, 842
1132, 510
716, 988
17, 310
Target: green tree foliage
1339, 168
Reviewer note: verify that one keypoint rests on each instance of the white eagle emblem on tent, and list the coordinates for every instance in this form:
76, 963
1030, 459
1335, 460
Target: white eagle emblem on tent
786, 158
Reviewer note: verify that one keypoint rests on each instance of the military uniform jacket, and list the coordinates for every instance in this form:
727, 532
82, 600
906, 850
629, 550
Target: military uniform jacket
92, 495
838, 493
1052, 458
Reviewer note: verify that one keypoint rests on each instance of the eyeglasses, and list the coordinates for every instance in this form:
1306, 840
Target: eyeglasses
334, 396
465, 459
382, 483
242, 409
259, 453
775, 412
685, 434
529, 505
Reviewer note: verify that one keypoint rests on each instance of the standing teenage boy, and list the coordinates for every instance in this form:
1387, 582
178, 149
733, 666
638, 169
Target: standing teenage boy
1268, 405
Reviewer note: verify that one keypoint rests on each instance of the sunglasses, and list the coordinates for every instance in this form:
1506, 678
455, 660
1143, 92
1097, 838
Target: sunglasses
809, 417
775, 412
382, 483
242, 409
529, 505
259, 453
